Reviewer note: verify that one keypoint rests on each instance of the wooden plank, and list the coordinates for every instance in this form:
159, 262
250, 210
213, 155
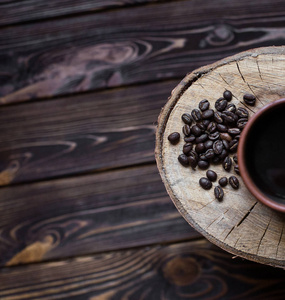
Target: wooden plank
13, 11
193, 270
87, 214
78, 134
128, 46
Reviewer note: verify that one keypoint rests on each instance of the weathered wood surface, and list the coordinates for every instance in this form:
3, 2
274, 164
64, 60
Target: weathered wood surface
13, 11
80, 134
87, 214
195, 270
130, 46
238, 224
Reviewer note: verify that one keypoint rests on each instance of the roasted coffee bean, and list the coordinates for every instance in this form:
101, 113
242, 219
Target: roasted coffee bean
208, 144
196, 115
225, 136
204, 105
196, 130
193, 162
183, 159
202, 138
174, 138
212, 175
222, 128
234, 182
201, 126
236, 168
226, 144
203, 164
186, 130
212, 127
216, 160
234, 131
223, 154
187, 148
209, 153
229, 117
200, 148
242, 112
223, 181
194, 154
249, 99
202, 156
218, 117
206, 123
235, 159
228, 95
221, 104
233, 145
208, 114
190, 139
241, 123
231, 107
214, 136
218, 147
187, 119
219, 193
205, 183
227, 163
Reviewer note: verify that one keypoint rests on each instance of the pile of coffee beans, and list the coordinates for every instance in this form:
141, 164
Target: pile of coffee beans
211, 136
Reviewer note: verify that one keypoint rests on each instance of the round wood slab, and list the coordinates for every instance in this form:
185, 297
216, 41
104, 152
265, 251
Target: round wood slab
239, 224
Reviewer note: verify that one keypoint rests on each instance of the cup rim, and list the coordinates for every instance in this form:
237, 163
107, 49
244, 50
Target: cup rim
241, 161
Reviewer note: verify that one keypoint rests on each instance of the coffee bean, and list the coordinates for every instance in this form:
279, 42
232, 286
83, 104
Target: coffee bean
205, 183
174, 138
241, 123
223, 154
194, 154
212, 176
231, 107
225, 136
234, 182
208, 114
196, 130
234, 131
187, 148
212, 127
200, 148
187, 119
203, 164
236, 168
202, 156
191, 138
242, 112
221, 104
196, 115
249, 99
186, 130
209, 153
226, 144
214, 136
229, 117
204, 105
218, 117
193, 162
227, 163
222, 128
201, 126
228, 95
183, 159
223, 181
219, 193
216, 160
202, 138
235, 159
208, 144
218, 147
206, 123
233, 145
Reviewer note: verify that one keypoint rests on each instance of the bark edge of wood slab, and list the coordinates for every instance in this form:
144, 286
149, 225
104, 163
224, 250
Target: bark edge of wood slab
239, 224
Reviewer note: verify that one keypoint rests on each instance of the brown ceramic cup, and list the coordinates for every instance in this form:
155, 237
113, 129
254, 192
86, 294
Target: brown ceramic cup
261, 155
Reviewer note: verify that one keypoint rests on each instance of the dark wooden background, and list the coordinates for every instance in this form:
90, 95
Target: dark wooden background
84, 214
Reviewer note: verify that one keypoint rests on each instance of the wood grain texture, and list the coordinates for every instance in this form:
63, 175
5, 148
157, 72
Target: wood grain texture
13, 11
195, 270
87, 214
130, 46
238, 224
80, 134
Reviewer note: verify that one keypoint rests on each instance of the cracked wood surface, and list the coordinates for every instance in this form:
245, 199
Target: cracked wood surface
238, 224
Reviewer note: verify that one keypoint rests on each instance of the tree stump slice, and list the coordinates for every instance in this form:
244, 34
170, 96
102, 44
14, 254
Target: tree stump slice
239, 224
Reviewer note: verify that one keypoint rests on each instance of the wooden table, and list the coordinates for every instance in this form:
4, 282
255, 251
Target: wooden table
84, 214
